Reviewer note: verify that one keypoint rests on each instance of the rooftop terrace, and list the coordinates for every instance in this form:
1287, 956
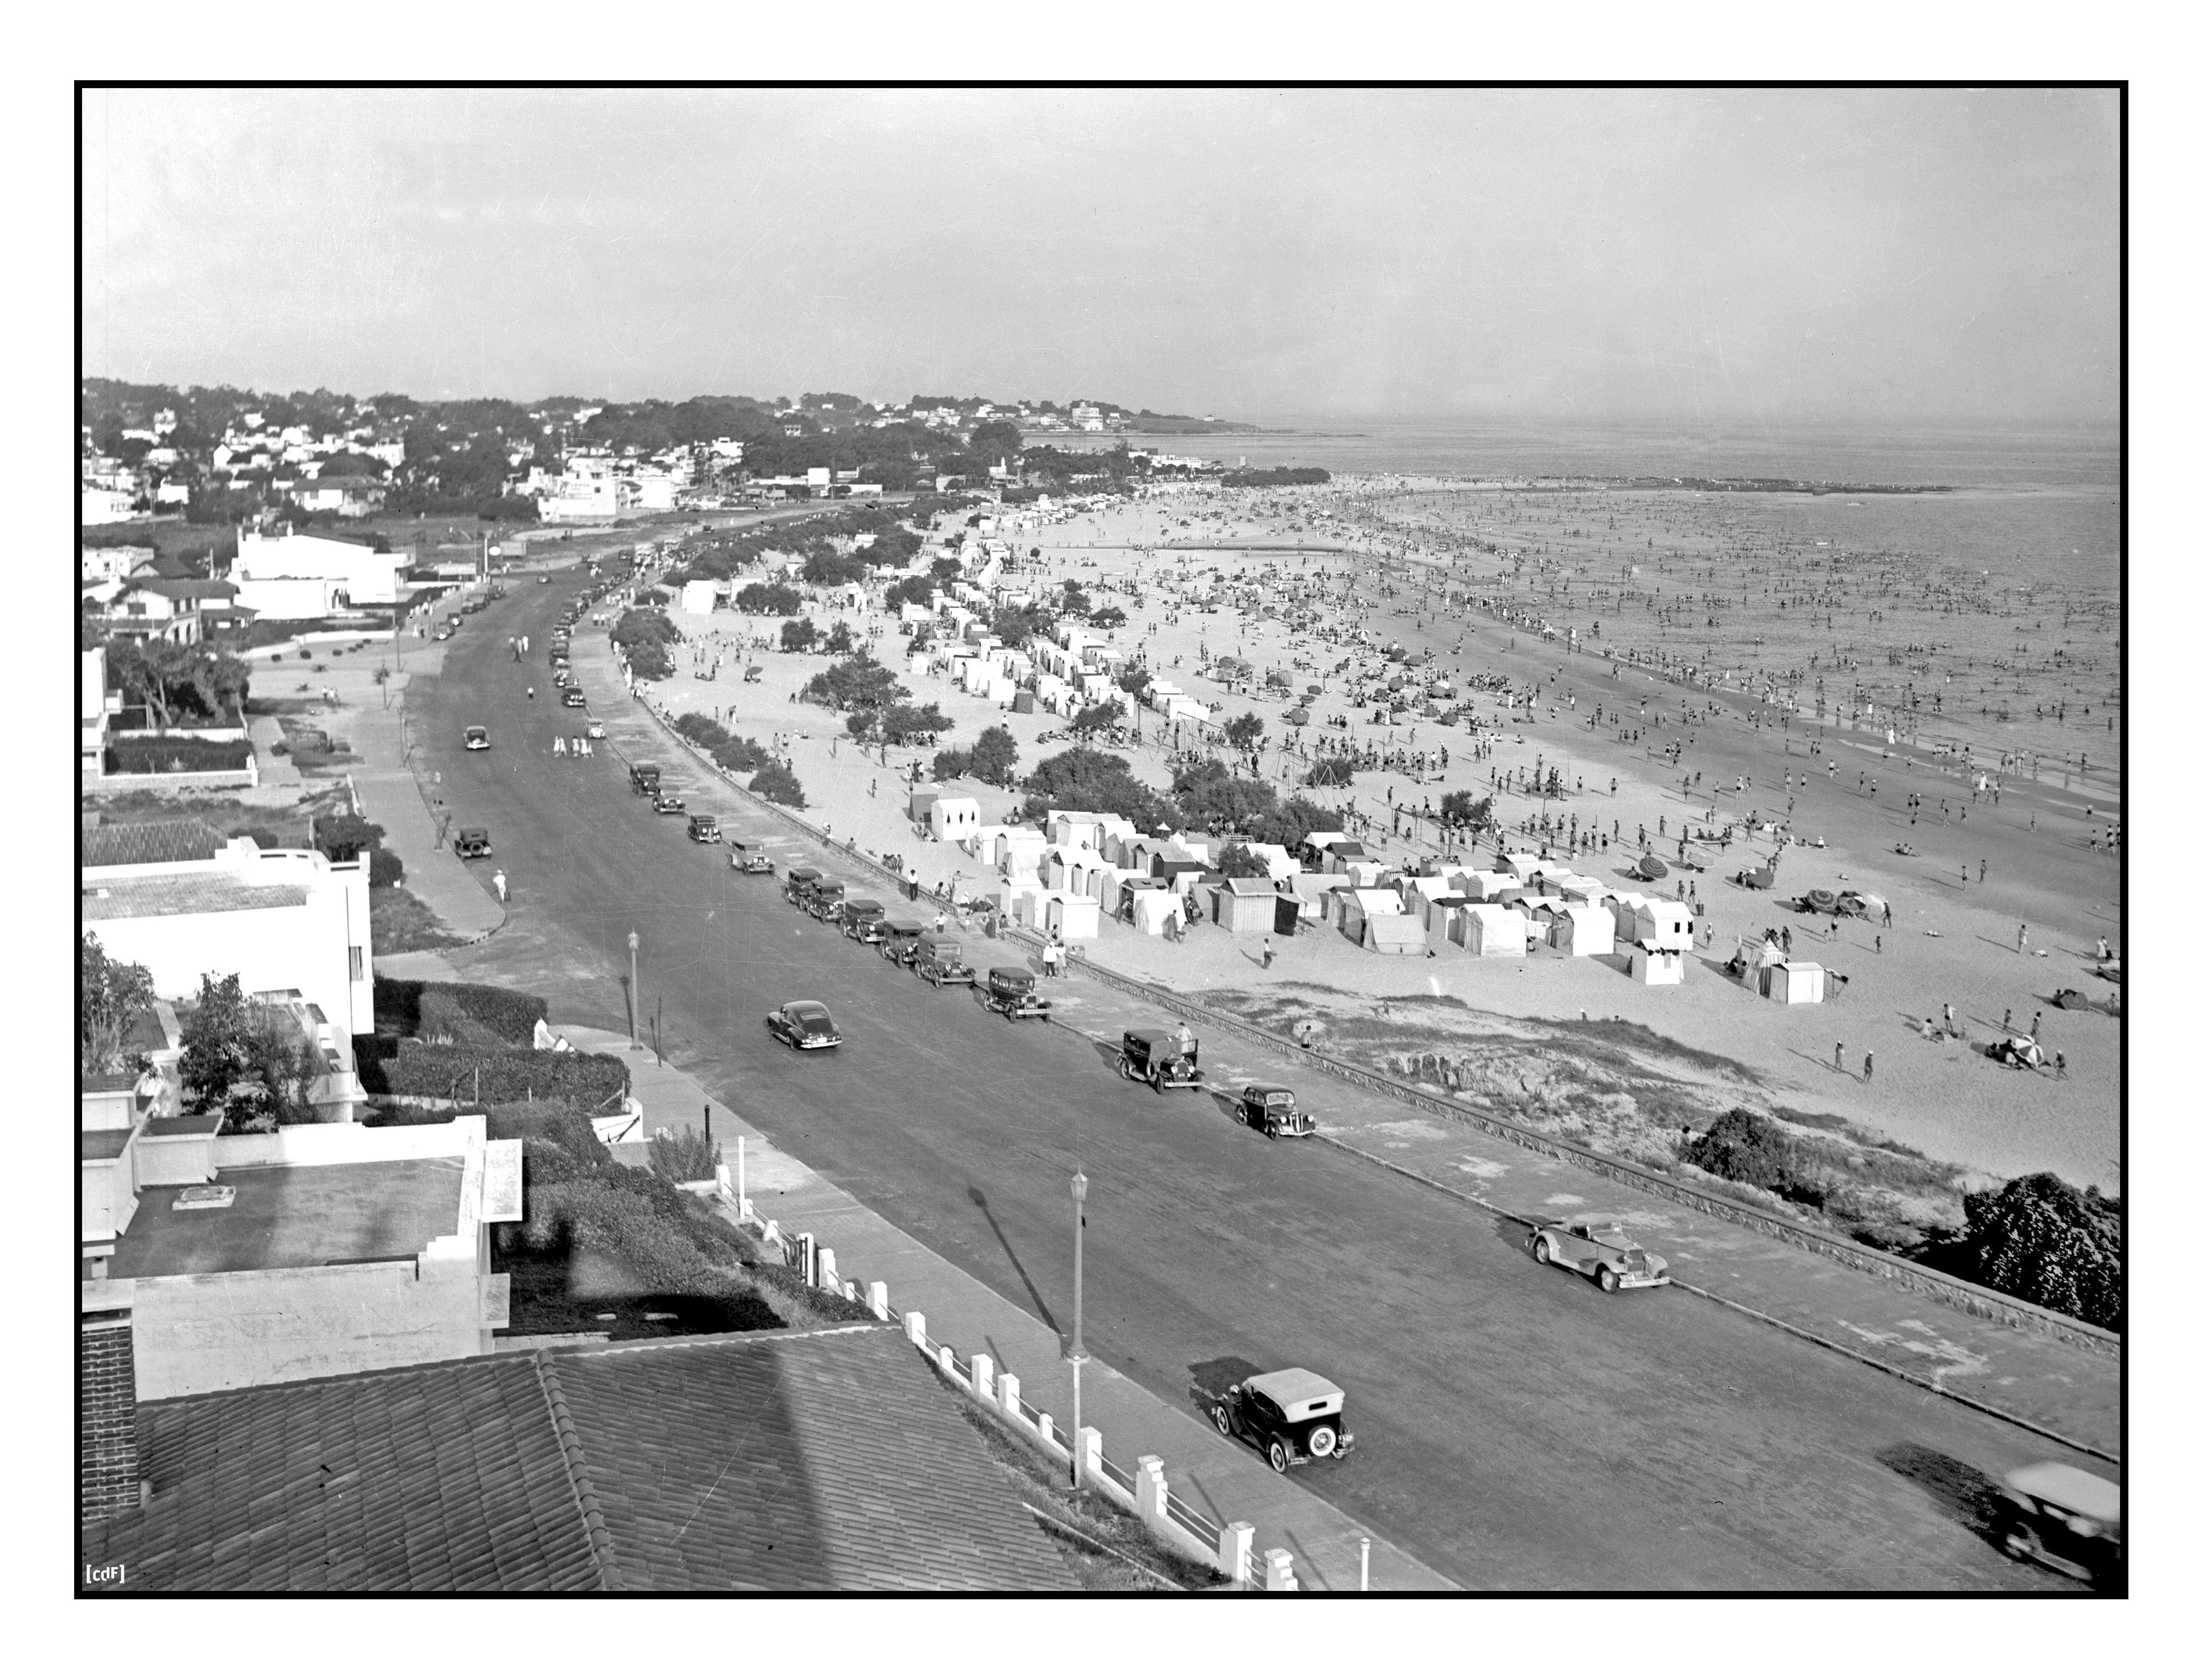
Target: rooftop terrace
295, 1217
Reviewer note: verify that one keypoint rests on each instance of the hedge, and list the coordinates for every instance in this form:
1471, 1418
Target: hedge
592, 1082
165, 756
511, 1014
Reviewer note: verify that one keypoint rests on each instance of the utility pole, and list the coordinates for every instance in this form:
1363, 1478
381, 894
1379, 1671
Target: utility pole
1077, 1310
634, 994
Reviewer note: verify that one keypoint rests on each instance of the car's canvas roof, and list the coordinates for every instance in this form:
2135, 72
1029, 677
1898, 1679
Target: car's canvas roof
2069, 1489
1294, 1388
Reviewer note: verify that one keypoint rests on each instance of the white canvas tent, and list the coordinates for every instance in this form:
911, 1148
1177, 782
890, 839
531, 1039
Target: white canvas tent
1792, 983
1392, 934
1150, 906
1651, 967
1584, 930
1497, 931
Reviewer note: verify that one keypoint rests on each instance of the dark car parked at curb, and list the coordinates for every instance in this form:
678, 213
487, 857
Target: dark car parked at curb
899, 937
1167, 1060
643, 778
471, 842
1272, 1109
939, 960
800, 879
749, 857
667, 804
803, 1025
824, 900
1291, 1416
861, 919
704, 829
1012, 993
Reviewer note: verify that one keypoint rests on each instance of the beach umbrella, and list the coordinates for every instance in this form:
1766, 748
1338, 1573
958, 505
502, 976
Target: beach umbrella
1822, 900
1649, 867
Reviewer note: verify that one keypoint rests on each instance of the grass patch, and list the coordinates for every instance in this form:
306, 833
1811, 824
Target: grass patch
401, 922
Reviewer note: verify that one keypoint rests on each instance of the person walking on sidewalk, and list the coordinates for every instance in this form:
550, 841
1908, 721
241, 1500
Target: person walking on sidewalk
1839, 1055
497, 881
2022, 935
1866, 1069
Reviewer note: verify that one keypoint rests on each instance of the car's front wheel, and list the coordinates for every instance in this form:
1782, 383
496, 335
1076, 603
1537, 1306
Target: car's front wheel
1220, 1415
1541, 1252
1124, 1067
1281, 1459
1610, 1279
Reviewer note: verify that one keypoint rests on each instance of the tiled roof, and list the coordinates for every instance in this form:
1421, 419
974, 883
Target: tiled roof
794, 1462
179, 895
179, 840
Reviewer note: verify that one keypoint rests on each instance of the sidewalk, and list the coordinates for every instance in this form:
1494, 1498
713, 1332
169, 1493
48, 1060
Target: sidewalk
391, 795
1222, 1478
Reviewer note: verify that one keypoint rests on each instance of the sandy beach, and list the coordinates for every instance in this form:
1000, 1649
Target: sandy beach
1377, 559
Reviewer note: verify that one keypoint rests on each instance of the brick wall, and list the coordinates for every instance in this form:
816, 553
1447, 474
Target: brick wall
107, 1461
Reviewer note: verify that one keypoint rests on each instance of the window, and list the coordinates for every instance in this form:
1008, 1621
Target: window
359, 965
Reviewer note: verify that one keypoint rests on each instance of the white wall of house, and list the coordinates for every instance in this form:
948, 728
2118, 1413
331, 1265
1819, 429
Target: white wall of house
358, 575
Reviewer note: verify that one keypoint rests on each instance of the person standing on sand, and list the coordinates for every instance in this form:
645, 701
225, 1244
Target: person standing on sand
2022, 935
1950, 1025
1839, 1055
1866, 1070
2035, 1030
2007, 1020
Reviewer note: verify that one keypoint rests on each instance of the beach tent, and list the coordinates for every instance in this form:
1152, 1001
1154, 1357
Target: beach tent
1583, 930
1393, 935
921, 801
1522, 865
1442, 918
1357, 904
1651, 967
951, 818
1666, 924
1582, 888
1287, 911
1151, 907
1275, 860
1793, 982
1073, 916
1244, 906
1497, 931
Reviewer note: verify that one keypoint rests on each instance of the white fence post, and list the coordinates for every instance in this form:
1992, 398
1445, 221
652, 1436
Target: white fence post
771, 1231
913, 1324
826, 1279
1006, 1390
982, 1377
1150, 1490
1236, 1557
1046, 1430
1087, 1446
875, 1297
1278, 1575
945, 1356
725, 1180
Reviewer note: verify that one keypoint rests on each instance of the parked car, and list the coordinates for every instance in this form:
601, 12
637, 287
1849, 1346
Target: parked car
1164, 1060
574, 699
1012, 993
800, 879
643, 776
749, 857
939, 960
667, 804
443, 633
861, 919
471, 842
477, 738
1272, 1109
899, 937
595, 730
1600, 1250
1293, 1417
825, 899
2065, 1519
804, 1025
704, 828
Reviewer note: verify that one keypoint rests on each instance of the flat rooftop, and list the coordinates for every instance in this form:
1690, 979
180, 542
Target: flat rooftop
193, 895
295, 1217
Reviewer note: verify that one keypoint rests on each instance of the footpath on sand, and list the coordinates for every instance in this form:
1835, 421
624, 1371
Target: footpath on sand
2070, 1394
1222, 1478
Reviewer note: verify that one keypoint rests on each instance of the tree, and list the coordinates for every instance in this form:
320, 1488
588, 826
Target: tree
174, 683
1246, 734
768, 598
1461, 808
216, 1053
1080, 778
2039, 1239
839, 640
993, 755
947, 571
110, 996
994, 440
1332, 772
343, 838
1107, 618
912, 591
902, 725
858, 681
797, 635
827, 568
1098, 718
777, 782
1018, 625
1237, 863
1075, 602
1213, 798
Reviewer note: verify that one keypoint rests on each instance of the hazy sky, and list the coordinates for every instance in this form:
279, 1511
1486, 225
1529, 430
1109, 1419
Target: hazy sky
1774, 256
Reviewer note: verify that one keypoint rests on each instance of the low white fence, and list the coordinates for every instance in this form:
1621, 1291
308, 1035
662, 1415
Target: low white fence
1143, 1490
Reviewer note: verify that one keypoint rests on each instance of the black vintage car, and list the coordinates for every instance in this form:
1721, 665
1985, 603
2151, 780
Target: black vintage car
1273, 1109
899, 937
1165, 1060
1291, 1416
2064, 1519
825, 899
471, 842
939, 960
749, 857
804, 1025
643, 778
800, 879
704, 828
1012, 993
667, 804
861, 919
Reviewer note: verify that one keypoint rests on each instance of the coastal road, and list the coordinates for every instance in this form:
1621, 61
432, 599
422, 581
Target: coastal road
1518, 1429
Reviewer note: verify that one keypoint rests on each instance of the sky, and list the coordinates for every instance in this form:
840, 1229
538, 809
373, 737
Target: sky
1774, 255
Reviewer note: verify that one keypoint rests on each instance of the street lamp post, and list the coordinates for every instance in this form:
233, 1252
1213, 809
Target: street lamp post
634, 991
1078, 1310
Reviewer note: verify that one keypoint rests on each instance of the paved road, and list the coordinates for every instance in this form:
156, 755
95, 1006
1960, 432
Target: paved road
1518, 1428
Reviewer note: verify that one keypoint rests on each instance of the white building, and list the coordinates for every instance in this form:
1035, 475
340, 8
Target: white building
299, 576
282, 921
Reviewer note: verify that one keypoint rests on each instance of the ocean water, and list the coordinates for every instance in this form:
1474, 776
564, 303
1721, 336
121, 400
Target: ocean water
2000, 594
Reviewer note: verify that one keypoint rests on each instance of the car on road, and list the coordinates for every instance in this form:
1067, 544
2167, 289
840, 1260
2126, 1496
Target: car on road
704, 829
1167, 1060
824, 900
938, 960
471, 842
477, 738
1274, 1110
899, 937
443, 633
667, 804
1291, 1416
643, 778
861, 919
1012, 993
749, 857
574, 699
1602, 1250
595, 730
801, 878
804, 1025
2063, 1518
